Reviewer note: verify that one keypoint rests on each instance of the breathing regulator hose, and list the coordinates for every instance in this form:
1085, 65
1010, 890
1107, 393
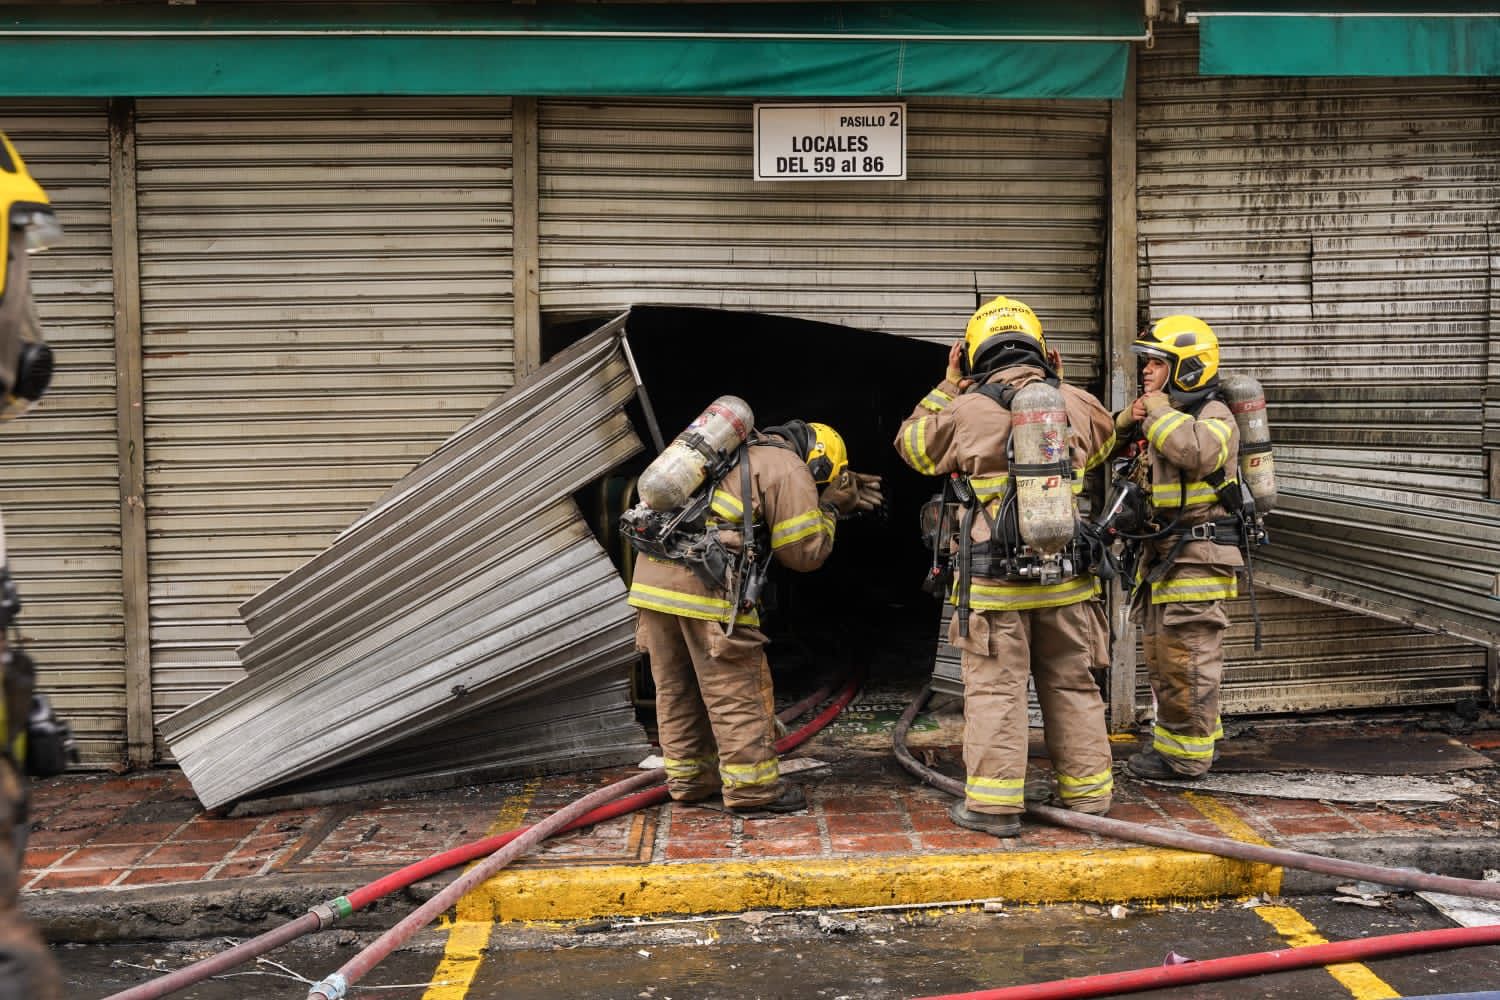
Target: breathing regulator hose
325, 914
1181, 840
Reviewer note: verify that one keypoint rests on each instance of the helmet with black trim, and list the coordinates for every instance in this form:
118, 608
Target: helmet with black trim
1190, 350
1003, 332
27, 224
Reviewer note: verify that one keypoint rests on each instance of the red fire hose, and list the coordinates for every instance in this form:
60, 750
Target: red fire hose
1240, 966
325, 914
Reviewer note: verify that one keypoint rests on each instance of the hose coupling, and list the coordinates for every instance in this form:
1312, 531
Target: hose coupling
325, 914
335, 987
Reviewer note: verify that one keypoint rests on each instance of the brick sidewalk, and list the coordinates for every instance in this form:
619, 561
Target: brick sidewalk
94, 831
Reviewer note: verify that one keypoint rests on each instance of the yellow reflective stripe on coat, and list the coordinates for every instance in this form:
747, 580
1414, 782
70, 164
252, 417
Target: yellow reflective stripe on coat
1098, 457
750, 775
914, 444
1187, 589
1027, 596
1220, 429
936, 400
996, 791
684, 605
1170, 744
1088, 786
688, 768
794, 529
1194, 494
727, 506
1157, 435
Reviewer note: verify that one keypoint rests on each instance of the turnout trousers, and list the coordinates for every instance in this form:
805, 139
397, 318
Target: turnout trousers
715, 708
1056, 646
1184, 646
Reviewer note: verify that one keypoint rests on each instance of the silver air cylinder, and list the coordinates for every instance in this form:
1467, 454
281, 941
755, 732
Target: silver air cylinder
679, 470
1257, 465
1042, 468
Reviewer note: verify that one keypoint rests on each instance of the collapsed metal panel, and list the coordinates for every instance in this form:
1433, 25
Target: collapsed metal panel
474, 582
1336, 234
584, 725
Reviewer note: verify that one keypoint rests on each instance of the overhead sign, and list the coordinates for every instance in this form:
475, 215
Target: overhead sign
830, 142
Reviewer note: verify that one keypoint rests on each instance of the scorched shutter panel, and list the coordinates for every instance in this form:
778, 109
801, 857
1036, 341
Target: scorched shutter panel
59, 489
653, 203
326, 295
1334, 233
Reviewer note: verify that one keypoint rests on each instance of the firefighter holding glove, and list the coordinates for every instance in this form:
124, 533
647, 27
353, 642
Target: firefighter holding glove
1018, 614
1189, 445
715, 707
26, 969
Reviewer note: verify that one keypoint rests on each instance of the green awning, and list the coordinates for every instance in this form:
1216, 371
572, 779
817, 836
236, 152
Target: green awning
1069, 48
1391, 39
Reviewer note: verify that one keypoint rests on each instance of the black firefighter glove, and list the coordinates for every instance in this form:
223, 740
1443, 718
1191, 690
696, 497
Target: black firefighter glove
842, 495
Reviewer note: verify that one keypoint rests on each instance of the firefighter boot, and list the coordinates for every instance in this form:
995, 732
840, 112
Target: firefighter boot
792, 799
996, 826
1150, 764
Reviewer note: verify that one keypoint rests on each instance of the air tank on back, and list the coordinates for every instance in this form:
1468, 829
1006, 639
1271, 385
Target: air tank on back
1043, 467
675, 474
1257, 465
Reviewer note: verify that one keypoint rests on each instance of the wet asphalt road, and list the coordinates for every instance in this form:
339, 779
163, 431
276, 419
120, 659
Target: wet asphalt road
859, 957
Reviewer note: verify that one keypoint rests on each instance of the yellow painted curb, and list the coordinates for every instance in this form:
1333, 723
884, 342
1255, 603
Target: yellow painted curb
1098, 876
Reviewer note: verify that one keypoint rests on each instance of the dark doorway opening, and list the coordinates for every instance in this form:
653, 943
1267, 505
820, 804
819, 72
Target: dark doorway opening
865, 605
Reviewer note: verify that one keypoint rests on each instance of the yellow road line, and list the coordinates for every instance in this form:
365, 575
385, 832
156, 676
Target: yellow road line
1230, 824
1104, 875
1361, 983
474, 919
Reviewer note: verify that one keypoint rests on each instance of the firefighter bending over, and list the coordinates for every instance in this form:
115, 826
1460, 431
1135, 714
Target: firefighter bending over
697, 583
26, 970
1182, 444
1015, 444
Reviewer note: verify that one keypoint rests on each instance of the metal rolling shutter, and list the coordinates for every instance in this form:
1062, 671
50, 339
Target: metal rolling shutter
60, 484
1334, 234
326, 296
653, 203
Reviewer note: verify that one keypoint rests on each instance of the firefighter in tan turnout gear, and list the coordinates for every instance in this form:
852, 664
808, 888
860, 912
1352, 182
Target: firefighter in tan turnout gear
697, 600
26, 969
1185, 443
1018, 613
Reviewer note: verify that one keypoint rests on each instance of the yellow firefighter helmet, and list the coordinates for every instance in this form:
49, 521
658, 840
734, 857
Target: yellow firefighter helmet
827, 457
1003, 331
24, 206
1189, 348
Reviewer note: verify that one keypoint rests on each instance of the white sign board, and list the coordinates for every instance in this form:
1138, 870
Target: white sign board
830, 142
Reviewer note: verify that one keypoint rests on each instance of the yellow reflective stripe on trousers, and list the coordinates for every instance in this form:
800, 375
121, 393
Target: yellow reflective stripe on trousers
996, 791
936, 400
1166, 425
727, 506
794, 529
1187, 589
1194, 494
683, 605
1219, 429
1170, 744
750, 775
1088, 786
687, 768
1098, 457
914, 443
1027, 596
